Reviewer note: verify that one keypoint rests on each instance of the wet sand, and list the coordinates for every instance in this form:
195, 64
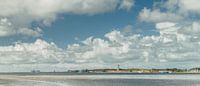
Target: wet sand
13, 80
90, 80
4, 82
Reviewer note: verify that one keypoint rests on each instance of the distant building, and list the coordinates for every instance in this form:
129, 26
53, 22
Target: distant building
165, 71
118, 67
162, 71
84, 71
195, 70
118, 71
78, 71
35, 71
73, 71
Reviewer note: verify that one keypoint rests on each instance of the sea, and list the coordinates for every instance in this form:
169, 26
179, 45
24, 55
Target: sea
112, 80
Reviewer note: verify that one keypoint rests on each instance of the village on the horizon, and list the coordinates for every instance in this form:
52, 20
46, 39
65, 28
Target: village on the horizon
120, 70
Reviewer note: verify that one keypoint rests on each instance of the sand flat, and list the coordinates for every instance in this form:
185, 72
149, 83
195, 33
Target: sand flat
13, 80
63, 80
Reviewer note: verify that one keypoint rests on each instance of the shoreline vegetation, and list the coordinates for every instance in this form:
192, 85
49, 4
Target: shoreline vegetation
132, 71
66, 73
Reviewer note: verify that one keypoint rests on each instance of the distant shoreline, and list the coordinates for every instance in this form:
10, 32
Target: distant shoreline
66, 73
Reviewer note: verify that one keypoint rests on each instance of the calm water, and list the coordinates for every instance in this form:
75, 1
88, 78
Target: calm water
116, 80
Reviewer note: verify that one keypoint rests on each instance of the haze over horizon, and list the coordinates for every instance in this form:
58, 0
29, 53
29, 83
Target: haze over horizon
85, 34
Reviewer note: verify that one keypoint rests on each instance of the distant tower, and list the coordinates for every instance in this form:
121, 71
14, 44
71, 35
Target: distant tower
118, 67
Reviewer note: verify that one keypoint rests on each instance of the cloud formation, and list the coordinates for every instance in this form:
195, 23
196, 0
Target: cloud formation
39, 52
178, 26
8, 29
170, 10
155, 15
20, 14
127, 4
175, 44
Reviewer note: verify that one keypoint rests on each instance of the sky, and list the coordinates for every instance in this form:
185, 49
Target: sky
84, 34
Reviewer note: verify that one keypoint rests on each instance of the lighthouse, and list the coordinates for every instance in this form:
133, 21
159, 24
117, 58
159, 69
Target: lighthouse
118, 67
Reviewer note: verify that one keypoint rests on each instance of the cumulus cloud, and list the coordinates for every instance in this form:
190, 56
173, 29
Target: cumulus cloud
31, 53
164, 25
178, 26
127, 4
170, 10
22, 13
189, 6
193, 29
148, 15
171, 46
175, 44
7, 29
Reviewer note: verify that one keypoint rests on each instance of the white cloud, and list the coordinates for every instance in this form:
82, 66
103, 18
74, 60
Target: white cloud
22, 13
7, 29
39, 52
179, 41
171, 46
172, 10
127, 4
176, 42
183, 6
164, 25
46, 8
167, 28
148, 15
193, 29
191, 5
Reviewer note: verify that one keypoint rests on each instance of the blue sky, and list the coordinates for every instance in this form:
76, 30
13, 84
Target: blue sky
82, 26
69, 26
73, 34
